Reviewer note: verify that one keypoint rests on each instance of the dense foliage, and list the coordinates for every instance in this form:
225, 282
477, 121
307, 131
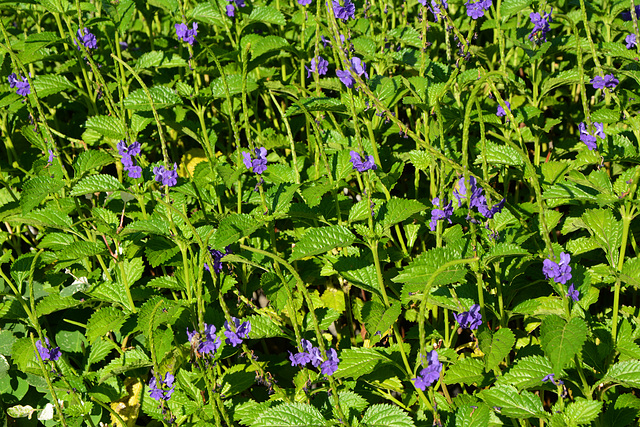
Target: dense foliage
378, 213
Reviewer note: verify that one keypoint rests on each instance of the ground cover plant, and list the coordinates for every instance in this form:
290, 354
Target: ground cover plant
310, 213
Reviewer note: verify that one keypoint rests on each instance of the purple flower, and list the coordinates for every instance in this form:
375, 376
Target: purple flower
185, 34
573, 293
231, 11
359, 165
132, 150
87, 39
439, 214
231, 7
630, 40
590, 139
501, 112
157, 391
168, 177
344, 12
477, 198
210, 343
609, 82
316, 356
46, 351
346, 78
329, 366
51, 156
217, 257
21, 83
559, 273
242, 331
299, 359
430, 374
540, 25
259, 164
626, 15
471, 319
435, 7
128, 160
476, 10
551, 377
358, 67
318, 65
304, 2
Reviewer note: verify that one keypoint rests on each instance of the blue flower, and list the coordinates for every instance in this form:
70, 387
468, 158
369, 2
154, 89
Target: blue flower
440, 214
128, 160
46, 351
157, 387
590, 138
259, 164
430, 374
87, 39
304, 2
471, 319
241, 332
476, 10
348, 11
609, 82
573, 293
630, 40
358, 67
626, 15
359, 165
329, 366
501, 112
558, 272
551, 377
168, 177
185, 34
540, 25
21, 83
319, 65
217, 257
210, 343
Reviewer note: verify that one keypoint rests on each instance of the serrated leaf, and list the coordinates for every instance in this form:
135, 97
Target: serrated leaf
267, 14
317, 104
406, 34
607, 231
465, 371
420, 159
473, 415
54, 302
397, 210
92, 159
104, 320
159, 250
355, 362
290, 414
96, 184
625, 373
510, 7
562, 340
528, 372
496, 154
496, 347
162, 97
234, 83
268, 44
232, 228
131, 359
513, 403
36, 190
567, 77
153, 225
418, 273
48, 217
108, 126
631, 272
359, 272
503, 250
166, 282
81, 249
207, 13
384, 415
322, 239
582, 411
49, 84
264, 327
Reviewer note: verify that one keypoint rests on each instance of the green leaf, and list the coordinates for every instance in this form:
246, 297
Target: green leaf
131, 359
268, 44
359, 271
166, 282
473, 415
406, 34
99, 350
503, 250
49, 84
384, 415
267, 14
96, 184
496, 347
513, 403
290, 414
207, 13
70, 341
59, 6
162, 97
607, 231
159, 250
420, 159
631, 272
567, 77
48, 217
108, 126
317, 104
582, 411
625, 373
606, 115
465, 371
355, 362
104, 320
232, 228
153, 226
500, 155
418, 273
234, 81
92, 159
562, 340
528, 372
511, 7
36, 190
81, 249
322, 239
264, 327
397, 210
54, 302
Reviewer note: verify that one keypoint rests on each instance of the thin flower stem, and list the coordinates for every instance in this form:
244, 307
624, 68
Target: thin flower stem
45, 374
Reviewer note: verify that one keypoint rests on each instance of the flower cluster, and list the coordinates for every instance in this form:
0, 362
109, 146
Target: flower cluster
626, 15
439, 214
359, 165
590, 139
348, 11
435, 6
304, 2
431, 373
558, 272
501, 112
20, 83
609, 82
208, 343
551, 377
168, 177
477, 9
259, 164
630, 41
161, 389
573, 293
477, 199
313, 355
128, 160
235, 338
358, 67
318, 65
540, 25
46, 351
185, 34
217, 257
471, 319
231, 8
87, 39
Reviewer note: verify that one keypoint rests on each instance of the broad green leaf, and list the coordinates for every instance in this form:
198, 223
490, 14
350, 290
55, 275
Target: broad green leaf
355, 362
166, 282
322, 239
36, 190
268, 44
567, 77
267, 14
406, 34
582, 411
359, 271
397, 210
420, 160
162, 97
146, 226
81, 249
317, 104
465, 371
496, 347
21, 267
510, 7
104, 320
606, 115
207, 13
607, 231
70, 341
47, 217
496, 154
540, 306
99, 350
568, 192
60, 6
159, 250
385, 415
562, 340
234, 83
232, 228
503, 250
54, 302
625, 373
631, 272
92, 159
51, 83
96, 184
133, 358
473, 415
290, 414
23, 354
264, 327
418, 273
528, 372
108, 126
157, 59
512, 402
